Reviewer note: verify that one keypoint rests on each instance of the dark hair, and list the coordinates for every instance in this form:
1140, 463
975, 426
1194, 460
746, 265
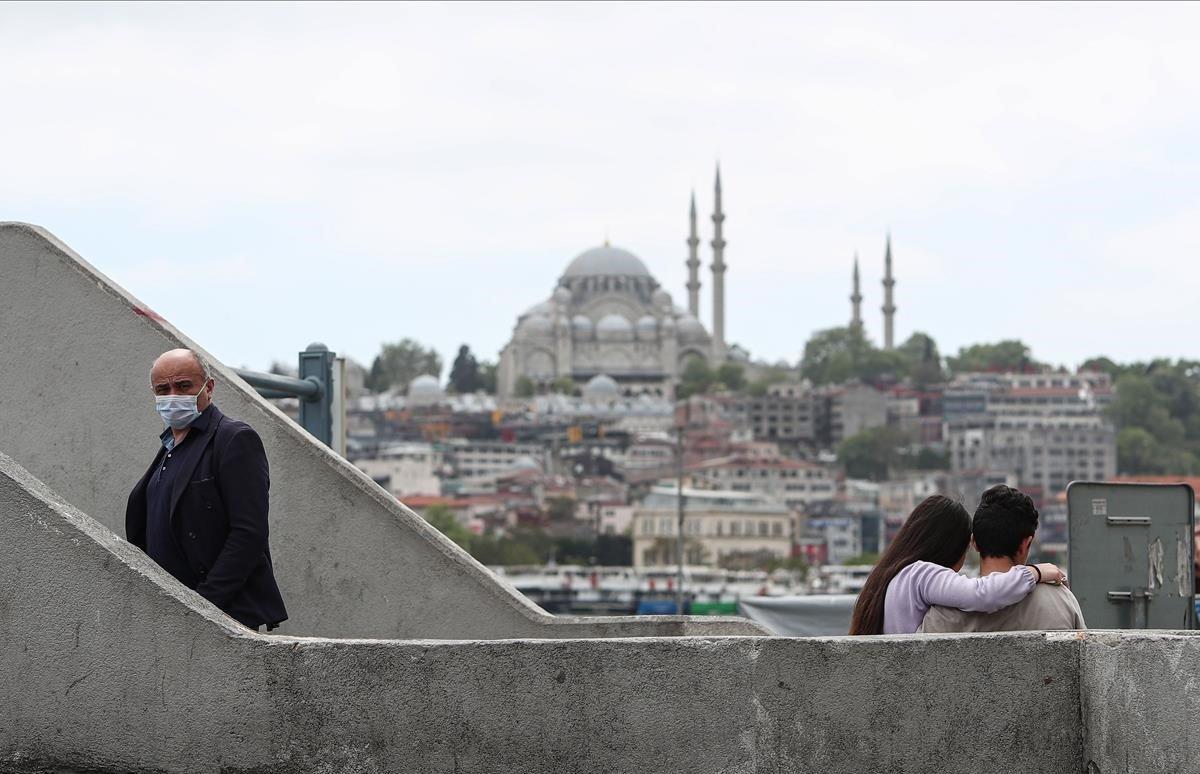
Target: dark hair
938, 531
1004, 518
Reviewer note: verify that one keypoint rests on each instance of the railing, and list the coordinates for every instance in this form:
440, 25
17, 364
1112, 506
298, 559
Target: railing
319, 388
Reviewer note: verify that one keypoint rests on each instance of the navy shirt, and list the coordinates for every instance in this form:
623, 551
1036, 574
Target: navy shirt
161, 544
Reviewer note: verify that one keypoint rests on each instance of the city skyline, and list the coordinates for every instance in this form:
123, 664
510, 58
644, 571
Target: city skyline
419, 171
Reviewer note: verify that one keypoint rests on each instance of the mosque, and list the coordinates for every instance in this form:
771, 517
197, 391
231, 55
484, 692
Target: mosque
613, 330
609, 325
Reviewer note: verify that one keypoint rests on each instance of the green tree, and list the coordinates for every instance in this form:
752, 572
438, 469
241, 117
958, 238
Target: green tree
464, 374
874, 453
1104, 365
563, 385
525, 387
399, 363
1003, 356
696, 379
443, 520
732, 376
924, 362
487, 377
838, 355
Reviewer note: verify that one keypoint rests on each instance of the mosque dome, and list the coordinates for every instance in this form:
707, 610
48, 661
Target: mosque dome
601, 387
690, 329
536, 325
582, 325
614, 327
606, 261
525, 462
562, 296
544, 308
647, 328
662, 299
425, 390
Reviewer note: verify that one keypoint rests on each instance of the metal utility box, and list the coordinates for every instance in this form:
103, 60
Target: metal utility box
1130, 554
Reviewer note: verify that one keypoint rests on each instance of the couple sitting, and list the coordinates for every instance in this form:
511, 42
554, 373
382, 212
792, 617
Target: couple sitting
916, 586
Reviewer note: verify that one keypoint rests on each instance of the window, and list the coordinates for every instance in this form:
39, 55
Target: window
763, 529
776, 529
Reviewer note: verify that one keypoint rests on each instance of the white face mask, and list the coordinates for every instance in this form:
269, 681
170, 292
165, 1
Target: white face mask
178, 411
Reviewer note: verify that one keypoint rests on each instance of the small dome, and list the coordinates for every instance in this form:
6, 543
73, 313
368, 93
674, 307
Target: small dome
525, 462
690, 329
614, 327
600, 388
424, 390
536, 325
647, 328
738, 355
606, 261
562, 296
662, 299
545, 309
582, 325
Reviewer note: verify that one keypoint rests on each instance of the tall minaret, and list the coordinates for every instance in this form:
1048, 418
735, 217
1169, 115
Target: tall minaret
718, 270
693, 265
889, 308
856, 300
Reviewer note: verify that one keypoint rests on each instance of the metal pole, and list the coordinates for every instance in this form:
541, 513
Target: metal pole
679, 512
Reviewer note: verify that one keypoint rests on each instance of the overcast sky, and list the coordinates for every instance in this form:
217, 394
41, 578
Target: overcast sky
265, 176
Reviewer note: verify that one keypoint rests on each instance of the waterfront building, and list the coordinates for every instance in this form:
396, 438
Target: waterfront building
796, 483
719, 526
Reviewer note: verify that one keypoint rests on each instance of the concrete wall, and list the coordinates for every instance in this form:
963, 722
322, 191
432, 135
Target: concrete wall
1141, 701
109, 665
77, 411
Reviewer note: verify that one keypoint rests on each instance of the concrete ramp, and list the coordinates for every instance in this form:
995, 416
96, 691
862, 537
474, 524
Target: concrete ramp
76, 409
109, 665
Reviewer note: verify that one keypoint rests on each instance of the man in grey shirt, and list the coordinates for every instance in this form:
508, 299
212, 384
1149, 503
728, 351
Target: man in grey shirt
1002, 530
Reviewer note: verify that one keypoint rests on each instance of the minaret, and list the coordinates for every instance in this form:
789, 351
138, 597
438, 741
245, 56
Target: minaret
718, 270
889, 308
693, 265
856, 300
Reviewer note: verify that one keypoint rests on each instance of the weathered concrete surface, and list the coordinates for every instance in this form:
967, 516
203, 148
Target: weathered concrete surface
76, 410
1141, 701
109, 665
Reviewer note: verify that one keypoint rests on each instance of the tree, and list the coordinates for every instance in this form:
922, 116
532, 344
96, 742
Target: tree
838, 355
732, 376
464, 374
525, 387
563, 385
1103, 365
399, 363
924, 363
873, 453
1010, 355
487, 377
1157, 414
696, 379
442, 518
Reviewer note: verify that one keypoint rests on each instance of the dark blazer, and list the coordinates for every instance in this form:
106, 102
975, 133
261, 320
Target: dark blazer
219, 518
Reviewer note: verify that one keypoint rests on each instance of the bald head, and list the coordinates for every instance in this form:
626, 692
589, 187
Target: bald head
182, 372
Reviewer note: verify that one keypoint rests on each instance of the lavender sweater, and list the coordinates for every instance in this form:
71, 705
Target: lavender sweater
921, 585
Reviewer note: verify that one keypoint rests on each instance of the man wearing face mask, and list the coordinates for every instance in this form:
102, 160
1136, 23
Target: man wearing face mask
200, 510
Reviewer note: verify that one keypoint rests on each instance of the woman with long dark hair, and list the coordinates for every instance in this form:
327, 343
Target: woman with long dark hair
920, 569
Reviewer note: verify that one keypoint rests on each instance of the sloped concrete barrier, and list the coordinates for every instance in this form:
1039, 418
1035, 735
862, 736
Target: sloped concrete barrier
75, 408
108, 665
